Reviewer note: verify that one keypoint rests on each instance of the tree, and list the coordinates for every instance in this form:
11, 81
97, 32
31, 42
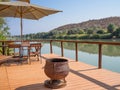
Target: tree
3, 26
3, 29
90, 31
74, 31
81, 31
111, 28
70, 32
100, 32
116, 33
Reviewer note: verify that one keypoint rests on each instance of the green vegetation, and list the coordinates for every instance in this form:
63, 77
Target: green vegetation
107, 28
111, 28
116, 33
3, 29
90, 33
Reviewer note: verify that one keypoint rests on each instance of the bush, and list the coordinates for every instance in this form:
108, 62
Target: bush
116, 33
100, 32
95, 36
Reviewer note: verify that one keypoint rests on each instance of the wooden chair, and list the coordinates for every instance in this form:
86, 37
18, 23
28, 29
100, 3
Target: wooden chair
14, 46
25, 47
37, 51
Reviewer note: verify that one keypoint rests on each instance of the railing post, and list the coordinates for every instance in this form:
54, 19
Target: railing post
100, 57
3, 48
76, 51
62, 49
51, 51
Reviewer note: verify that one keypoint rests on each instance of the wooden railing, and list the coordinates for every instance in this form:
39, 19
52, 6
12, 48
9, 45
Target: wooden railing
72, 41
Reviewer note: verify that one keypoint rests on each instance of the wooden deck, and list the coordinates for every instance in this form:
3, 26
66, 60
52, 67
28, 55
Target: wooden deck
81, 77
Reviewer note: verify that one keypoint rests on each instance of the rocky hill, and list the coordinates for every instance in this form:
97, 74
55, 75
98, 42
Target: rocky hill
99, 23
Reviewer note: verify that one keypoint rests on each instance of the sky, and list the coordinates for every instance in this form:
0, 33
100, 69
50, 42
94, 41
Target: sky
74, 11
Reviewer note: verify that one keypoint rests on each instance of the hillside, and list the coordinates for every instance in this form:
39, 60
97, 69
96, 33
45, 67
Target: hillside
106, 28
99, 23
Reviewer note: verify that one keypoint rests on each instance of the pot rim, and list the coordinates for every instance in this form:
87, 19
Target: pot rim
57, 60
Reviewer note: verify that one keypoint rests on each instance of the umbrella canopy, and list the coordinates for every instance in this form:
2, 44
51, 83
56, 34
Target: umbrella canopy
24, 0
25, 10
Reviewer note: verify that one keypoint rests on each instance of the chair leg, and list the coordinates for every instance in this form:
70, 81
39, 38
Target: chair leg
29, 61
40, 59
40, 55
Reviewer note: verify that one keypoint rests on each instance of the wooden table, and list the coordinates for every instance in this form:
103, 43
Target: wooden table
37, 51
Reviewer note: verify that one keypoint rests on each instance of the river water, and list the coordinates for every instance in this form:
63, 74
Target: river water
88, 53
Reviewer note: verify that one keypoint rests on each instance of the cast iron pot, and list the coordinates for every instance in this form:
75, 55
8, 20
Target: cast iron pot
56, 68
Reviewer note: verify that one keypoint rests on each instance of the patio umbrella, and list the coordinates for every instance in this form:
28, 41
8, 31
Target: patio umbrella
24, 10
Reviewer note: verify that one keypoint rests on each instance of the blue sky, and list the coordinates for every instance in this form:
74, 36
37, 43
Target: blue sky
74, 11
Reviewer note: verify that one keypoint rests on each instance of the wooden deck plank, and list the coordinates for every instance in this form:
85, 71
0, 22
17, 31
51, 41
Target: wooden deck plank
81, 77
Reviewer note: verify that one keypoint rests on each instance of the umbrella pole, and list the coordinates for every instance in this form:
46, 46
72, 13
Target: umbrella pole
21, 24
21, 30
21, 49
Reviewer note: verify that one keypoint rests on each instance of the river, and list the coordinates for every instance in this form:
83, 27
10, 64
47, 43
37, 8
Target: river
88, 53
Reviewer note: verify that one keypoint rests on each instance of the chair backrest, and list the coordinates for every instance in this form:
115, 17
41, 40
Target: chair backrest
14, 45
36, 45
25, 44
